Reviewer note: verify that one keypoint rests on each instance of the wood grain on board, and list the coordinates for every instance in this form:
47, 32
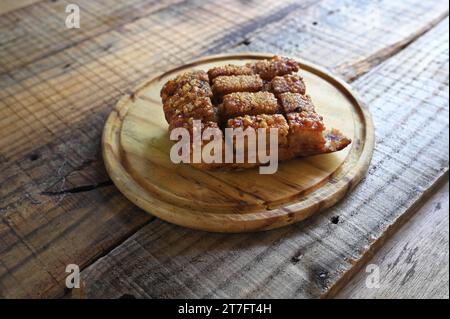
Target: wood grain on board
414, 263
57, 87
316, 257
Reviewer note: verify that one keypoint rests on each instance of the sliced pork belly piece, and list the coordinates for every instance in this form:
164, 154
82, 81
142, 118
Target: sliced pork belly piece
307, 136
256, 122
288, 83
268, 69
335, 141
215, 133
236, 83
305, 133
189, 95
199, 108
294, 102
245, 103
265, 122
194, 82
228, 70
187, 123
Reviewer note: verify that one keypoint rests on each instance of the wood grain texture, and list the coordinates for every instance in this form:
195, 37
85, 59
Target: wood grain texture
11, 5
101, 67
136, 150
316, 257
360, 35
43, 33
58, 86
414, 263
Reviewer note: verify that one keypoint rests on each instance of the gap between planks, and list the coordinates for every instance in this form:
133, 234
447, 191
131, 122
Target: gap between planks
355, 70
414, 263
391, 230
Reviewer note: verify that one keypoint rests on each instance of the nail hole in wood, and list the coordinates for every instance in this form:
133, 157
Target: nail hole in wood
323, 275
34, 157
335, 219
296, 258
107, 47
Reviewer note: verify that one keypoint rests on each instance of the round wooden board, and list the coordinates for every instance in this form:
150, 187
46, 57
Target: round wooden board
136, 150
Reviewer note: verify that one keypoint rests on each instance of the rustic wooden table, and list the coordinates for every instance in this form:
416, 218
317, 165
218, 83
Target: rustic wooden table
58, 206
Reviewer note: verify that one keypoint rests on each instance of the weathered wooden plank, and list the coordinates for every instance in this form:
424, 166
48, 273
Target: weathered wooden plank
11, 5
408, 96
414, 263
360, 35
37, 32
50, 221
52, 112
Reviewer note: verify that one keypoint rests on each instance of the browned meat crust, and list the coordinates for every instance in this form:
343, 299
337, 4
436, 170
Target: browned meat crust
288, 83
294, 102
194, 82
236, 83
187, 123
242, 103
260, 124
188, 95
335, 141
268, 69
188, 106
214, 131
263, 121
305, 133
228, 70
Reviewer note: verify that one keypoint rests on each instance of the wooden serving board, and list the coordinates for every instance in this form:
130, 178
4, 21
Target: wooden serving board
136, 149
